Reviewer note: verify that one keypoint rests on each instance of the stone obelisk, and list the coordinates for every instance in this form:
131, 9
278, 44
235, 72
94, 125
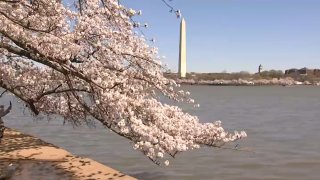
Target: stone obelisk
183, 50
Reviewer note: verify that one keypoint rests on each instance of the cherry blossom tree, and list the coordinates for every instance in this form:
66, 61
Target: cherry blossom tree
85, 63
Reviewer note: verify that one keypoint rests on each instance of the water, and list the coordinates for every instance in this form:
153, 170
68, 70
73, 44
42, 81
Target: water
283, 124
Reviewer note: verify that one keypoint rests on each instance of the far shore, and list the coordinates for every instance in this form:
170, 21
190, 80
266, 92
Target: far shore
265, 78
26, 157
243, 82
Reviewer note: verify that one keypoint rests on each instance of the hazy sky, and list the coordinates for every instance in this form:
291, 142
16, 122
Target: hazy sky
235, 35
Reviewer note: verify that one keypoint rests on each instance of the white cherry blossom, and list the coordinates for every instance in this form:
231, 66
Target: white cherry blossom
86, 63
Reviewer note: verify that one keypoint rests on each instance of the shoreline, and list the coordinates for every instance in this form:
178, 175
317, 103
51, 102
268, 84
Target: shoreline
242, 82
26, 157
246, 85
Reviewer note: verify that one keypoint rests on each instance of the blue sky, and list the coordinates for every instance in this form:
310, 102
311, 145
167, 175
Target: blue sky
236, 35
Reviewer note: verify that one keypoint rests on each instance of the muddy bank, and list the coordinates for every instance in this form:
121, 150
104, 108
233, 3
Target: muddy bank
26, 157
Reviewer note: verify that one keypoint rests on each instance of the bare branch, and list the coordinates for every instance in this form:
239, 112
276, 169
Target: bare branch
3, 93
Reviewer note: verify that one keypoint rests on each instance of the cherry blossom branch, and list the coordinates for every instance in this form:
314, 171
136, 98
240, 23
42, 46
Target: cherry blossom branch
27, 25
30, 102
56, 91
57, 66
93, 66
8, 1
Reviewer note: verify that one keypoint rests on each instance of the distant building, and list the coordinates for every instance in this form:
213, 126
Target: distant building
303, 72
316, 72
291, 71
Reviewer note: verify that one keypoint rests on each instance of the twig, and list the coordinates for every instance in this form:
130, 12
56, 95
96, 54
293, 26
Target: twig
168, 5
3, 93
247, 149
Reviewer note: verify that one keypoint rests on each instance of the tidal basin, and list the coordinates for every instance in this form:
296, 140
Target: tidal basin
282, 123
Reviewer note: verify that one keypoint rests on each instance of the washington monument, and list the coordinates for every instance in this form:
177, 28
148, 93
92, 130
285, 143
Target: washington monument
183, 50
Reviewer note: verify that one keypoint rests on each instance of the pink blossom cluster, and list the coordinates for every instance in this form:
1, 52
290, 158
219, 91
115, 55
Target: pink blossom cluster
85, 63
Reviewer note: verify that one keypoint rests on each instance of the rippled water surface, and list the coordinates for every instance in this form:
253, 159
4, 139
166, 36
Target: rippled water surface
283, 124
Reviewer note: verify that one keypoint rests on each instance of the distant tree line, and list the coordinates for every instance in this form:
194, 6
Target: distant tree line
267, 74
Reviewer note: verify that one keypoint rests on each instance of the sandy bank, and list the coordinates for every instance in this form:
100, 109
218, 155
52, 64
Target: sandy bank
26, 157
